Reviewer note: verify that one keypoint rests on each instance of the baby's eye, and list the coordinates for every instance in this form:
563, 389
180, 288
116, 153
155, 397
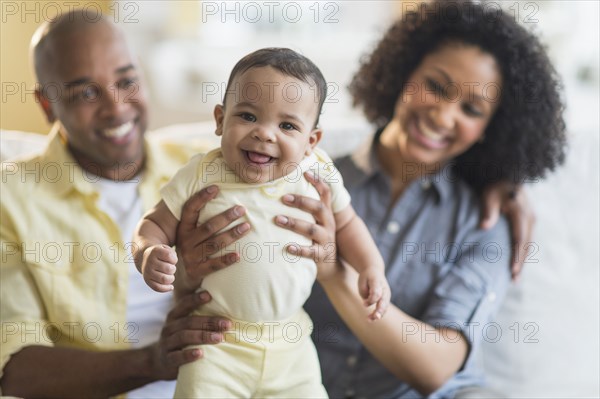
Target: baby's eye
248, 117
287, 126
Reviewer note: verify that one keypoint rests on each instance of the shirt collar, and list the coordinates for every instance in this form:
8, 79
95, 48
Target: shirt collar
366, 161
61, 173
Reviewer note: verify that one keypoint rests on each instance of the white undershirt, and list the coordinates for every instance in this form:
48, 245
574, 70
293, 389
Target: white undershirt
146, 309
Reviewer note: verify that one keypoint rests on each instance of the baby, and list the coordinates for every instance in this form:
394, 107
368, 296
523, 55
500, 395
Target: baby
268, 128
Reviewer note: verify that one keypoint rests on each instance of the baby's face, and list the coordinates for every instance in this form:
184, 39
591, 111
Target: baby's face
267, 124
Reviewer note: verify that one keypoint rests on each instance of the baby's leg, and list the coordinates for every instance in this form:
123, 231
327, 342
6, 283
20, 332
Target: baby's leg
230, 369
291, 364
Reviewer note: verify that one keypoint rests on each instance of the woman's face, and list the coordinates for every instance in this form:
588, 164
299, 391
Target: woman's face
446, 105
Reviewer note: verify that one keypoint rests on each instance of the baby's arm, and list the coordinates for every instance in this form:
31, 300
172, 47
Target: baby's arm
357, 247
153, 253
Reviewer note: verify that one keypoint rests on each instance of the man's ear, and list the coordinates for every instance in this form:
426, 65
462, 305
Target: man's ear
45, 104
313, 140
219, 114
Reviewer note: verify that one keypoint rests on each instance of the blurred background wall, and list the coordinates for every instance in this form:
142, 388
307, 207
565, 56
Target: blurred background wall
187, 48
18, 21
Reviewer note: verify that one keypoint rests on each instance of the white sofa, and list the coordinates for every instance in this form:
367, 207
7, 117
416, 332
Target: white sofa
546, 342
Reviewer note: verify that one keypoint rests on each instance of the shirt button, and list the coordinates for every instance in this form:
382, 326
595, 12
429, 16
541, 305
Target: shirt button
271, 190
351, 361
425, 184
393, 227
492, 296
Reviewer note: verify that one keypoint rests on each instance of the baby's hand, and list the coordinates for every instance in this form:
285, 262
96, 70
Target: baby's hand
158, 267
375, 290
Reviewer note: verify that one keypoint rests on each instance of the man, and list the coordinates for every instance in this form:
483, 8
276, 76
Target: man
77, 319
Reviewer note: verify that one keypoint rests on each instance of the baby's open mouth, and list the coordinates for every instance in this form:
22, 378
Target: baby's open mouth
258, 158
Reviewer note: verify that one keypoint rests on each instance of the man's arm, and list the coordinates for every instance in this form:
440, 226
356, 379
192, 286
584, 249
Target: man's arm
37, 371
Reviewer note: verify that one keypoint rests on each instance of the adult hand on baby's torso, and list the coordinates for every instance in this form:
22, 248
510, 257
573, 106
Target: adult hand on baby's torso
196, 243
323, 249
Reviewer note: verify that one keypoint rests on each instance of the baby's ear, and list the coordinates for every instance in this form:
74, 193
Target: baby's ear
219, 114
313, 140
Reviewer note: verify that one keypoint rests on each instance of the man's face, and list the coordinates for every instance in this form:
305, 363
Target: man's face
95, 90
267, 124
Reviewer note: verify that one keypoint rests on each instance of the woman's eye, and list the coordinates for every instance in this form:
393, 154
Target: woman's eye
248, 117
287, 126
435, 86
472, 110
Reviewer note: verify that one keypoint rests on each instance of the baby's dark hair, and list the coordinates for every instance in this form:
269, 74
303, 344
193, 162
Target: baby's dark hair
526, 136
289, 63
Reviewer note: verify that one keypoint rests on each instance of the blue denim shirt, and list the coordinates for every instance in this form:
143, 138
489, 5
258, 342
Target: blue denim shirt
441, 267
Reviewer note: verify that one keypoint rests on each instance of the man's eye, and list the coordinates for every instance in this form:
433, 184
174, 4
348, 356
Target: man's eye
248, 117
127, 83
88, 93
287, 126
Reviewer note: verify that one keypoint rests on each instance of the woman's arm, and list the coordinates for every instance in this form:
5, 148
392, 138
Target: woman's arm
417, 353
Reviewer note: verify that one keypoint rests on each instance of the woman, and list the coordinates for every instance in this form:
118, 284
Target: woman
462, 97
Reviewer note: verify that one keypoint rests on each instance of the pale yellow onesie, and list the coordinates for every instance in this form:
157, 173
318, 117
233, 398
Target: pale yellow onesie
269, 353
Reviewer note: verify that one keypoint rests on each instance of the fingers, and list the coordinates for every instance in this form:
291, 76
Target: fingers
212, 265
219, 222
319, 209
521, 220
374, 294
196, 258
190, 236
183, 338
309, 230
321, 187
181, 357
491, 201
363, 289
382, 304
195, 330
185, 305
192, 330
158, 279
309, 252
191, 208
310, 205
225, 238
158, 267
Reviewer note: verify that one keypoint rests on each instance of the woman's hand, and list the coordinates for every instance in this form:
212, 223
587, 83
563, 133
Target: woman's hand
510, 200
196, 243
323, 249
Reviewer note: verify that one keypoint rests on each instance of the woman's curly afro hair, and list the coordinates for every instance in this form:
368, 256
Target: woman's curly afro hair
526, 136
